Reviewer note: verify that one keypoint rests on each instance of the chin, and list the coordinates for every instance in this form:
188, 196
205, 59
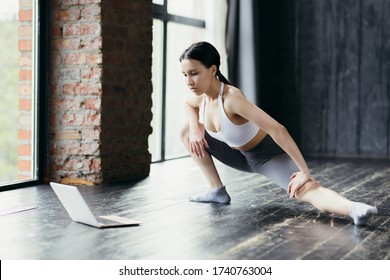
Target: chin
196, 91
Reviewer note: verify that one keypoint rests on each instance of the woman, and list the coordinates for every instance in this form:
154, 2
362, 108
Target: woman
222, 123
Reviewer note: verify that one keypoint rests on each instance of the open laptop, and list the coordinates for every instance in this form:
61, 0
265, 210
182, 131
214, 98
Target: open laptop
79, 211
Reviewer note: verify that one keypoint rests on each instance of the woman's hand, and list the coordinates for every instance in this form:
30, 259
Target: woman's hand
197, 141
297, 180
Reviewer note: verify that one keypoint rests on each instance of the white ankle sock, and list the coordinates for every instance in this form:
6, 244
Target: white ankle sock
219, 195
361, 212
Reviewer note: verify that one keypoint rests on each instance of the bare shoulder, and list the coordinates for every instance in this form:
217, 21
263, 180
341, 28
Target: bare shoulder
232, 97
195, 101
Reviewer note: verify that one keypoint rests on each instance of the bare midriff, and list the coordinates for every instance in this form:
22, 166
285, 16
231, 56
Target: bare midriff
253, 142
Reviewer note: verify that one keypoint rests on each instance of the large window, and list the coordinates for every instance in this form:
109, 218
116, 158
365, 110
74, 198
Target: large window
177, 24
19, 83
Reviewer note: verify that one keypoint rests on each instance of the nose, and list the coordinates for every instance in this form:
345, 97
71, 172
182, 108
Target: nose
189, 81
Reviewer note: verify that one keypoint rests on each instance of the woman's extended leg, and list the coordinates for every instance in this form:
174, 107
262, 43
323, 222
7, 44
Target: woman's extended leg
327, 200
280, 168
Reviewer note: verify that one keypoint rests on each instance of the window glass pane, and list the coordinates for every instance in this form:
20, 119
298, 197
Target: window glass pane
17, 98
177, 90
187, 8
157, 65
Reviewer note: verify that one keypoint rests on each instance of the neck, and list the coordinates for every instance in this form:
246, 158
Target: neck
213, 91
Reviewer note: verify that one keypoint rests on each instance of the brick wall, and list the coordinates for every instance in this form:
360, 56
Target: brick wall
127, 88
25, 90
100, 103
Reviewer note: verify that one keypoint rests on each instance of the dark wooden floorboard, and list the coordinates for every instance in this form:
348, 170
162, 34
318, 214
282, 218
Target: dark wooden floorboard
260, 223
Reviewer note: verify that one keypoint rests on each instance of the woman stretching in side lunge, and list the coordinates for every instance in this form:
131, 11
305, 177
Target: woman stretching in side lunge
242, 136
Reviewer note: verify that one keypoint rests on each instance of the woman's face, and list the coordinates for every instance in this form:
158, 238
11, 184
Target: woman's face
197, 76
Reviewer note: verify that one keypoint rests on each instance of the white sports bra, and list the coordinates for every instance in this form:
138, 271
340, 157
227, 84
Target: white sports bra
232, 134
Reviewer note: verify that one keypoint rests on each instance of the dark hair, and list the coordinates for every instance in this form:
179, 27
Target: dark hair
206, 54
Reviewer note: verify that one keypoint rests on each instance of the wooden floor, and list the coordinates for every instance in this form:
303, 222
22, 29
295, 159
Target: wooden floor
260, 223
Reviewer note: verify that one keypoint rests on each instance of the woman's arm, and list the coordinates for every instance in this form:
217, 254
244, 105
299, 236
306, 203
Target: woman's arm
197, 142
238, 104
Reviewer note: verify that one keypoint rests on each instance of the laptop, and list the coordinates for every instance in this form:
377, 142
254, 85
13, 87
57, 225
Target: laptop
78, 209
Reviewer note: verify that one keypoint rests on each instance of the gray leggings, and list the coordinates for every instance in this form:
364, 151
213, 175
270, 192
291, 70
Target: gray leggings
267, 158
